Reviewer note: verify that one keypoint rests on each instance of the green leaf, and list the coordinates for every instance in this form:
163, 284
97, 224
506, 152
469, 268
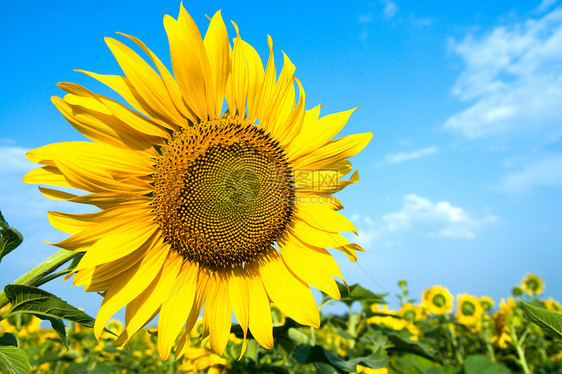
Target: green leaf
480, 364
305, 354
358, 293
402, 345
44, 305
15, 360
10, 238
298, 336
8, 339
550, 322
57, 324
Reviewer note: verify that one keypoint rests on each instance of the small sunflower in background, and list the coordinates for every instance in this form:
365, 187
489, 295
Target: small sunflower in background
469, 311
200, 207
411, 313
553, 305
532, 284
437, 300
487, 303
502, 323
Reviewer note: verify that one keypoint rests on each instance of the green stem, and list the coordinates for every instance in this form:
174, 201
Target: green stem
520, 352
454, 341
34, 276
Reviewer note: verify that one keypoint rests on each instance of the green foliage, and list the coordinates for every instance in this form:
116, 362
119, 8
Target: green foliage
11, 357
551, 322
8, 339
479, 364
46, 306
10, 238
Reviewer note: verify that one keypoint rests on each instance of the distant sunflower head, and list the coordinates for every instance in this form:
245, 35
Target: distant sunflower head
469, 310
487, 303
201, 206
437, 300
532, 284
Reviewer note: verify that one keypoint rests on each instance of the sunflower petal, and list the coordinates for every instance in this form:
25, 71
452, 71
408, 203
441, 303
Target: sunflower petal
176, 308
313, 265
129, 285
288, 292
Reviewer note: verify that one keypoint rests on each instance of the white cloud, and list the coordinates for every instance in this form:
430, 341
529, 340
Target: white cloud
512, 79
365, 17
547, 172
434, 219
13, 160
545, 5
395, 158
421, 216
390, 9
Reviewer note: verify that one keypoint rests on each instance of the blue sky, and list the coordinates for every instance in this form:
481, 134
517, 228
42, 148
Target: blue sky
462, 182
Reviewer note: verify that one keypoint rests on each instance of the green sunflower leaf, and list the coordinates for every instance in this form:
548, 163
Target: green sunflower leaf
550, 322
14, 359
360, 294
44, 305
306, 354
10, 238
8, 339
480, 364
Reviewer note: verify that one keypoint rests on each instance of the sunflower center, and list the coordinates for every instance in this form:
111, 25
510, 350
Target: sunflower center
468, 308
223, 192
439, 300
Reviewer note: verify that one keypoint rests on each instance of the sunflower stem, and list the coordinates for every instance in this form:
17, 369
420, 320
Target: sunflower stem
34, 276
520, 352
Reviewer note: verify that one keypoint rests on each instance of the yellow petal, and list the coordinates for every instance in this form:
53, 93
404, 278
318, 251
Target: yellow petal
130, 124
55, 194
218, 50
146, 82
47, 175
240, 301
287, 291
323, 217
316, 237
190, 63
123, 87
140, 310
128, 286
219, 312
124, 239
315, 133
334, 151
171, 84
176, 308
313, 265
74, 223
260, 323
128, 215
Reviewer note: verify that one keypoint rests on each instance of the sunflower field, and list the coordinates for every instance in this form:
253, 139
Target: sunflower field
439, 334
210, 191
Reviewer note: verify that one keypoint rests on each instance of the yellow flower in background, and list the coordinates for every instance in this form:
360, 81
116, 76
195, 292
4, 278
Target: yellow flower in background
203, 359
437, 300
502, 321
487, 303
365, 370
20, 325
411, 313
553, 305
392, 321
469, 311
532, 284
201, 208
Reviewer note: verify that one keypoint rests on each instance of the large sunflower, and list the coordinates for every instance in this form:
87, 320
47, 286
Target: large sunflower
230, 210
